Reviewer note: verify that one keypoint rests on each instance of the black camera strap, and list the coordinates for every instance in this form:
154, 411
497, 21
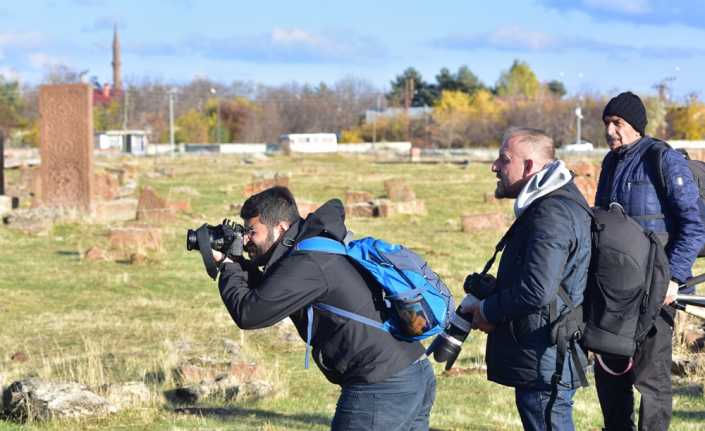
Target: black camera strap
204, 246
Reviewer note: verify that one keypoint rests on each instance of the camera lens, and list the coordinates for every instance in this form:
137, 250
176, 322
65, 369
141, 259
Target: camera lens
191, 240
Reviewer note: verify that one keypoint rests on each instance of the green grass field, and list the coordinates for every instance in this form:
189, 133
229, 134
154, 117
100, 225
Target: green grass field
107, 322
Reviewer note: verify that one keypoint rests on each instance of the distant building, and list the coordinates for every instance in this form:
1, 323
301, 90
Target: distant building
104, 94
414, 113
309, 142
125, 141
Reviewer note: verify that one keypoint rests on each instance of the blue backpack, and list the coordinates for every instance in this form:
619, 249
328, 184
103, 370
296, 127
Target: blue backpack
419, 303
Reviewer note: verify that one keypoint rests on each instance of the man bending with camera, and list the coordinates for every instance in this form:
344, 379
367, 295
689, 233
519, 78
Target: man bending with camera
543, 268
387, 384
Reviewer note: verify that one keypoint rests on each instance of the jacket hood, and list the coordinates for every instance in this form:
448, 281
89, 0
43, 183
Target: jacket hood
553, 176
328, 220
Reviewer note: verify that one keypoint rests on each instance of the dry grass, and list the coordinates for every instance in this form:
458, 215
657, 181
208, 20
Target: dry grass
108, 322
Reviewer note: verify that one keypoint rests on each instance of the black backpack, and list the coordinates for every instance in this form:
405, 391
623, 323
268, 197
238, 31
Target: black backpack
627, 282
697, 168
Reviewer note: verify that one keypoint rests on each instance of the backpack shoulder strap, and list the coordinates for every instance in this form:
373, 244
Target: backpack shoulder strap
654, 156
321, 244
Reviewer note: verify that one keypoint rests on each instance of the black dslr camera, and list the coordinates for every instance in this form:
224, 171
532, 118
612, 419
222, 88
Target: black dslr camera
225, 238
447, 345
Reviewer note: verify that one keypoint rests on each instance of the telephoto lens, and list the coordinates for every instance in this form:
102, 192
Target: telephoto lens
447, 345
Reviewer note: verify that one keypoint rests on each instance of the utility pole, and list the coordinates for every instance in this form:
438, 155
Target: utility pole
217, 115
172, 92
374, 120
578, 117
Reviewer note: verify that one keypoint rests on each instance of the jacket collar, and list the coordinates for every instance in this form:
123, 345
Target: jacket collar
283, 247
626, 150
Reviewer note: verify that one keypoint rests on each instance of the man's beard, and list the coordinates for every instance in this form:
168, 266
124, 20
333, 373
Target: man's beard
501, 191
260, 255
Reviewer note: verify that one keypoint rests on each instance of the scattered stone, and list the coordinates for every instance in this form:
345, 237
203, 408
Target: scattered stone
19, 357
128, 394
305, 208
115, 210
231, 347
183, 205
107, 186
588, 187
485, 221
387, 208
5, 204
34, 221
366, 209
398, 190
352, 198
255, 390
584, 168
188, 373
35, 399
138, 258
243, 371
261, 184
151, 207
95, 254
136, 238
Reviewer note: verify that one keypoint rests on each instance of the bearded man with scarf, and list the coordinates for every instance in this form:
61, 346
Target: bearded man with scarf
548, 250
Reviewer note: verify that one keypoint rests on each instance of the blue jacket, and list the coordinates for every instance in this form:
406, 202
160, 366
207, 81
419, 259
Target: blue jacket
549, 249
628, 178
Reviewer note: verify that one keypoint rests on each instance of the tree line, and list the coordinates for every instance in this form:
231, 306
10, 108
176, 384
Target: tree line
462, 111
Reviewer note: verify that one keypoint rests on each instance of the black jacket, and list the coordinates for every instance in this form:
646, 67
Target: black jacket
549, 249
346, 351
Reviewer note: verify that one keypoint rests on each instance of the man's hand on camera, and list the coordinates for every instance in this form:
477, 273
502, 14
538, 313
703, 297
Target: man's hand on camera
671, 293
220, 258
478, 319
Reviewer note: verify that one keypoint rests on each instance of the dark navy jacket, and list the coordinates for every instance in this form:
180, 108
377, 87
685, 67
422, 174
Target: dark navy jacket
550, 248
628, 178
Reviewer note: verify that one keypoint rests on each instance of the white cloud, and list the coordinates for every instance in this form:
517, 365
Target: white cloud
41, 60
290, 36
630, 7
516, 36
20, 40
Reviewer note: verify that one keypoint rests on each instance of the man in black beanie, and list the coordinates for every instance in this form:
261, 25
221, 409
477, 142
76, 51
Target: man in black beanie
669, 207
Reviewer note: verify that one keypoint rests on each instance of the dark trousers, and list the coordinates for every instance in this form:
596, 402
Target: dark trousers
545, 409
651, 376
400, 403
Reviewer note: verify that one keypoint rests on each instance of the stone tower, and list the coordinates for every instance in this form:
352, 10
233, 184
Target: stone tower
117, 82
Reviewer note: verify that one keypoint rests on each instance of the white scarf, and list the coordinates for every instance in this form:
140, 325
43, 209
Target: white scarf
553, 176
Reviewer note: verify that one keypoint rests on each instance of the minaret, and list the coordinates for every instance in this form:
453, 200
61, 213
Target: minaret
117, 83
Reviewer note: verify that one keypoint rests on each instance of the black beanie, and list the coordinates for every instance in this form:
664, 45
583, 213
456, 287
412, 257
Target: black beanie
628, 106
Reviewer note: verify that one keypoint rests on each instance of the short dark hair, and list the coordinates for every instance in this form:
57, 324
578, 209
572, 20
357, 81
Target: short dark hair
273, 205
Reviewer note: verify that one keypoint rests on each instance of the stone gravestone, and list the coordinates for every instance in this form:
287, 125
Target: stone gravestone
66, 146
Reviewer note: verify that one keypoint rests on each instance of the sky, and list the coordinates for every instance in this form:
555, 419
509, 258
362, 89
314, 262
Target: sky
592, 46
